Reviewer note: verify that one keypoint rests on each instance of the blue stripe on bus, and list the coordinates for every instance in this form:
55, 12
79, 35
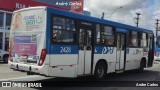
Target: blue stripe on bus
104, 50
48, 31
63, 49
73, 49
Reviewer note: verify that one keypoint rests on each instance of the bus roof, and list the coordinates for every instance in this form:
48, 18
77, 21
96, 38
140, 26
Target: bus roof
30, 8
88, 18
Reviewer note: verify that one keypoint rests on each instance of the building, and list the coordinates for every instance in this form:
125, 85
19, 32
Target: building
8, 6
5, 22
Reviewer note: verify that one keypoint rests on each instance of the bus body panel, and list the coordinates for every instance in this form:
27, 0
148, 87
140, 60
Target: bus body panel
64, 71
63, 65
105, 53
81, 60
60, 60
84, 63
63, 60
133, 58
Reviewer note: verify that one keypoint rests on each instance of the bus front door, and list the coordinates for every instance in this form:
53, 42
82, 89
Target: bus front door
85, 51
120, 61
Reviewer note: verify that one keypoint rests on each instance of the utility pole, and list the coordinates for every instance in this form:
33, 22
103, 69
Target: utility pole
102, 15
157, 22
137, 19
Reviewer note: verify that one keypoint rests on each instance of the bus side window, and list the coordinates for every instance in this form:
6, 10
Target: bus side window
63, 30
143, 40
98, 34
108, 35
134, 38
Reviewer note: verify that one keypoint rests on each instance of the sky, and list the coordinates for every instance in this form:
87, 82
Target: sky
149, 9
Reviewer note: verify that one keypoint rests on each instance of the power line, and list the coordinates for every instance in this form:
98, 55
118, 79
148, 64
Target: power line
114, 12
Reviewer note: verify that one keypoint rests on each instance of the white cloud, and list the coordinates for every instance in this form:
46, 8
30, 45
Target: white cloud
127, 13
156, 12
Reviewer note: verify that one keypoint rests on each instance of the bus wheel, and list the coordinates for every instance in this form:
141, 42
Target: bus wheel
100, 71
142, 65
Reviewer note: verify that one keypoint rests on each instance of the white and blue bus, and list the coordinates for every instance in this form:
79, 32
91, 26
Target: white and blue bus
58, 43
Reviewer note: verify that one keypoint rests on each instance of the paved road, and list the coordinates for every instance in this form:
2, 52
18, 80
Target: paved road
150, 74
6, 72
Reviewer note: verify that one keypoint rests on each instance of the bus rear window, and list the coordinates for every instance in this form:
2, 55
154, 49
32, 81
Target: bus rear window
63, 30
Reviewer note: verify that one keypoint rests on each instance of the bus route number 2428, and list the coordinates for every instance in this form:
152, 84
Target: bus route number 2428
65, 49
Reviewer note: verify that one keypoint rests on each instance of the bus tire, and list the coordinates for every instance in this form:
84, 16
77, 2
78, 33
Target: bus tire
100, 71
142, 66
